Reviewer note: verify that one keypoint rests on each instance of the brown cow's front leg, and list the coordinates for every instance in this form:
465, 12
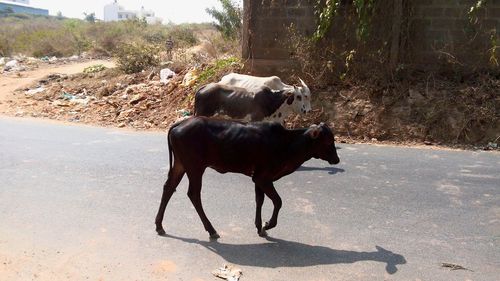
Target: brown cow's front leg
270, 191
259, 200
194, 194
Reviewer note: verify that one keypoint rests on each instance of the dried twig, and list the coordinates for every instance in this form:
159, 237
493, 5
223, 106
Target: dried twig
453, 266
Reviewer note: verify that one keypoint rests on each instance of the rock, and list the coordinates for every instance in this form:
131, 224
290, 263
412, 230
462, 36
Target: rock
60, 103
136, 99
103, 92
190, 78
83, 101
11, 64
55, 76
493, 145
165, 75
35, 91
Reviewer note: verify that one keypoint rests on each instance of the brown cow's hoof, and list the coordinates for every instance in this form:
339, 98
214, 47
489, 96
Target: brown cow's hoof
161, 231
214, 235
263, 233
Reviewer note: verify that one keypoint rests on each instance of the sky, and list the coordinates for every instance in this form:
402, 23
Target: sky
176, 11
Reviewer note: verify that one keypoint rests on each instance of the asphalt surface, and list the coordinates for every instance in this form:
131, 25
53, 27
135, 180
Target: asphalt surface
79, 202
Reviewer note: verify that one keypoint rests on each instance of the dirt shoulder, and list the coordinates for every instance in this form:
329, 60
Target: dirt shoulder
10, 82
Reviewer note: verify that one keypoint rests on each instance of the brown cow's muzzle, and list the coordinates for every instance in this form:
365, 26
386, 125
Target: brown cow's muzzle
334, 161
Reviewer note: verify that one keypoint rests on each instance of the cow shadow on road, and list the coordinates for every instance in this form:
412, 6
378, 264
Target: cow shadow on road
281, 253
330, 170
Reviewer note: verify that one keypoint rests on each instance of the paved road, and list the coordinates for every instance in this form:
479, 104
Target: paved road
78, 203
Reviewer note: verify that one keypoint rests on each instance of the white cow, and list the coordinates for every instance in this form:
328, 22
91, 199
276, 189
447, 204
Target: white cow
302, 95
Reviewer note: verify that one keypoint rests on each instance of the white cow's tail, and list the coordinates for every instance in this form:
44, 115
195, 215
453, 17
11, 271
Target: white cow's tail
196, 104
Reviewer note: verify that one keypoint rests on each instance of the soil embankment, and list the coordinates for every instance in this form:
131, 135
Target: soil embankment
435, 110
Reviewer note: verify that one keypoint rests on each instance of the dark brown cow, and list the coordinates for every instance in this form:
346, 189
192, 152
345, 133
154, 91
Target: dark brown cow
239, 103
264, 151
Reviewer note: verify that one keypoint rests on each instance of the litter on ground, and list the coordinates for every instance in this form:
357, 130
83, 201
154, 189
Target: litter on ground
228, 272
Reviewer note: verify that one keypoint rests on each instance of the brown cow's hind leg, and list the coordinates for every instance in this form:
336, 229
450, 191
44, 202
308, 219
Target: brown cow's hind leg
174, 177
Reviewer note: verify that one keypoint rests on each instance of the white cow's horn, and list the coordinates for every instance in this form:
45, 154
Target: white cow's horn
304, 84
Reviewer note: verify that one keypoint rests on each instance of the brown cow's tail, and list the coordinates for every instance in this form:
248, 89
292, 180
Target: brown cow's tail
170, 154
169, 148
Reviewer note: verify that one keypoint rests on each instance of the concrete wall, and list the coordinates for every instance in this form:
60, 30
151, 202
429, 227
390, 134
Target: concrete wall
436, 27
443, 26
265, 25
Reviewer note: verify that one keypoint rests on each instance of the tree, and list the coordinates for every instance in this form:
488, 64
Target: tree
228, 20
59, 15
89, 17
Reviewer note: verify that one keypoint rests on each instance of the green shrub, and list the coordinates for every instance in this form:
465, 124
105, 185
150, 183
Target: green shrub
183, 35
215, 71
45, 35
94, 68
135, 57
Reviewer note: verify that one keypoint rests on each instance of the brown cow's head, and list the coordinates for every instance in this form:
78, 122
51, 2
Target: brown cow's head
323, 143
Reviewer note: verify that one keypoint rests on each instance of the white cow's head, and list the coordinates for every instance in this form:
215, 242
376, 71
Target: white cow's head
301, 99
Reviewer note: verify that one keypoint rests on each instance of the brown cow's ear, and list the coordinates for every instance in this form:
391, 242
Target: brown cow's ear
314, 131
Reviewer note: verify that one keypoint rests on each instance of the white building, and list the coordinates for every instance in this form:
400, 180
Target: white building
21, 7
25, 2
115, 12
